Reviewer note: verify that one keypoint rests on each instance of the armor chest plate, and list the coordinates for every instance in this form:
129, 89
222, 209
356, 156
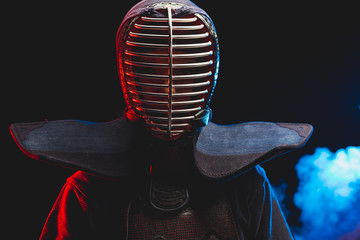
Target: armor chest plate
214, 221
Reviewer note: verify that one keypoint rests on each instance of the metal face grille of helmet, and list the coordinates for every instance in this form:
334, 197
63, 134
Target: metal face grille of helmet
168, 68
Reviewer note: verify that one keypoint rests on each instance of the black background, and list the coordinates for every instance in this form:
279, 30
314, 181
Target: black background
279, 62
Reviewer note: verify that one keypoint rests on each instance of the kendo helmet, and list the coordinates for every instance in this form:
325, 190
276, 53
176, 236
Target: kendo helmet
168, 61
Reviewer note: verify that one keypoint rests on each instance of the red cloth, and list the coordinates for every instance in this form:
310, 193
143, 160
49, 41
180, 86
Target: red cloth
71, 202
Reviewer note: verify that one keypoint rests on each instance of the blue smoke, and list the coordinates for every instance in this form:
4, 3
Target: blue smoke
329, 194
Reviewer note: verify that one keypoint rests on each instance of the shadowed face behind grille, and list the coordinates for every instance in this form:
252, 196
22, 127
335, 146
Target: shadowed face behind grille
168, 69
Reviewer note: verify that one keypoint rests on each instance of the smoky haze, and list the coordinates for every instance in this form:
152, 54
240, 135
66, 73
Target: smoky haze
328, 194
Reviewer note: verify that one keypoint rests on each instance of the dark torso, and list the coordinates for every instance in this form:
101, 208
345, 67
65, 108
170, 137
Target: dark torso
95, 208
127, 214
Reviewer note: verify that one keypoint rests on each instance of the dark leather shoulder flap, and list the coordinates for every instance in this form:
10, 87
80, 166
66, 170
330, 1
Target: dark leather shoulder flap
223, 152
88, 146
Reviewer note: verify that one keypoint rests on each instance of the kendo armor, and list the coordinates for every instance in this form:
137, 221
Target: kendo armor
168, 62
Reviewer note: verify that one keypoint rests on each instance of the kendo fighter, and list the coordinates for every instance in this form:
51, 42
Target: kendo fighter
163, 170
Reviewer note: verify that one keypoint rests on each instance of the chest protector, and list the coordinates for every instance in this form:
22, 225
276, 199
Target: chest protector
214, 222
